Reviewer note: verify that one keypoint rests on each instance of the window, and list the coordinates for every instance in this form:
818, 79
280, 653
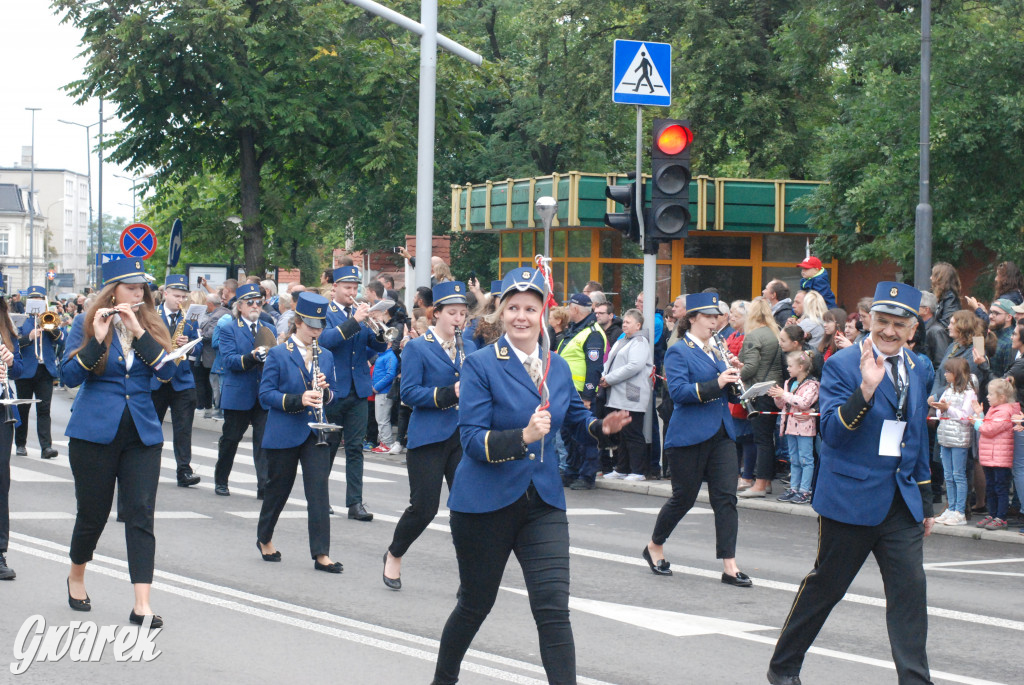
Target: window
3, 243
81, 247
83, 191
68, 217
68, 245
69, 187
81, 219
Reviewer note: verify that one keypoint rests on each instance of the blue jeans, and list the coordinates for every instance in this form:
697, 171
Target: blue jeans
997, 490
954, 471
801, 461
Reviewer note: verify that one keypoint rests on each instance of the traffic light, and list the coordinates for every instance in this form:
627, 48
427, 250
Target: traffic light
625, 222
670, 174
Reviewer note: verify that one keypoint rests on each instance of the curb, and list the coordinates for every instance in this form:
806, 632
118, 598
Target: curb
663, 489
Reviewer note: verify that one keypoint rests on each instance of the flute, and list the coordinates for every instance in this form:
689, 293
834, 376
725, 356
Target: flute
114, 311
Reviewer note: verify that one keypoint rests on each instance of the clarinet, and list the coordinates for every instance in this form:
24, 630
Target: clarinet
321, 438
738, 386
460, 351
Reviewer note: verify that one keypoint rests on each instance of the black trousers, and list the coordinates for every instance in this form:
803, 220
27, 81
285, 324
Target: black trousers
183, 412
763, 427
41, 387
713, 460
350, 413
897, 544
428, 465
6, 436
316, 469
404, 413
631, 456
236, 422
539, 535
135, 468
204, 391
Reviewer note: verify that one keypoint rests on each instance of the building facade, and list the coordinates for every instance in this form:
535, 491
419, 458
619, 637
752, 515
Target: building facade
15, 230
63, 198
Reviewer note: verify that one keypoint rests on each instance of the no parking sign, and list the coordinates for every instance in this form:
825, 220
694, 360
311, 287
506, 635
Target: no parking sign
139, 241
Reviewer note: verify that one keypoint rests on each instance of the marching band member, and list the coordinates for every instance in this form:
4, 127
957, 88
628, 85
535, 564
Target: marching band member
507, 495
700, 441
10, 354
114, 350
431, 366
180, 393
292, 395
239, 399
36, 378
351, 341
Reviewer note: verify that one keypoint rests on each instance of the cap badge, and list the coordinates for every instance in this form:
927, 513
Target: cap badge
893, 292
458, 289
138, 265
526, 274
319, 310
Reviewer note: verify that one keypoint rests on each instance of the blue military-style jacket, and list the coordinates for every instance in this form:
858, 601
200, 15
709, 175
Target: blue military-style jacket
700, 407
855, 484
428, 386
352, 344
99, 404
182, 379
28, 350
496, 399
284, 380
240, 383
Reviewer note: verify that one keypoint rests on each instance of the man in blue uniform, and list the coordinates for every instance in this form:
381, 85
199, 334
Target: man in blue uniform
180, 393
37, 376
352, 342
873, 489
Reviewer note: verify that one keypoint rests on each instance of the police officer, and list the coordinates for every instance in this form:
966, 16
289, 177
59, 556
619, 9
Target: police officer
292, 396
873, 489
352, 342
431, 370
582, 347
10, 354
36, 378
507, 496
239, 397
180, 393
114, 349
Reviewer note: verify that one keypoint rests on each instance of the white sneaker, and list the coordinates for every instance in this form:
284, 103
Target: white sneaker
635, 476
615, 475
943, 518
957, 519
396, 448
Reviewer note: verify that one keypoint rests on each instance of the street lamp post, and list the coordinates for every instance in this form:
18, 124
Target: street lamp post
88, 173
32, 198
134, 181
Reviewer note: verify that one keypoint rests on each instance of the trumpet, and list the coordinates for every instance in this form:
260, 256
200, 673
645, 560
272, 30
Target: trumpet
135, 307
320, 425
739, 387
389, 333
47, 321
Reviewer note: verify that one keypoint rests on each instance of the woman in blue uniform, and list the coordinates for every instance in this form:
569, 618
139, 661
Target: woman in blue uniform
293, 398
10, 355
431, 366
508, 495
700, 441
114, 349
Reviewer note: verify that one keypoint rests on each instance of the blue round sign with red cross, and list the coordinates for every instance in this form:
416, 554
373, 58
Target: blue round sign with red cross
139, 241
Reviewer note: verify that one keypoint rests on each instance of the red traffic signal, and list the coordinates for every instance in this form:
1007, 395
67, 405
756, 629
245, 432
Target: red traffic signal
674, 139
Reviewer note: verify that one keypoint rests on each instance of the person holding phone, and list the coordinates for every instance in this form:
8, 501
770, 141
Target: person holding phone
964, 326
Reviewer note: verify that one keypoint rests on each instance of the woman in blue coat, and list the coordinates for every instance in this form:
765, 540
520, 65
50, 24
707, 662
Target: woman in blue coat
114, 349
10, 355
294, 399
700, 440
508, 495
431, 368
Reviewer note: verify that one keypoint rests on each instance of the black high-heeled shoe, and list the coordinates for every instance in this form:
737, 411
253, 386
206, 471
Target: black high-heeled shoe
135, 619
659, 569
276, 556
391, 583
78, 604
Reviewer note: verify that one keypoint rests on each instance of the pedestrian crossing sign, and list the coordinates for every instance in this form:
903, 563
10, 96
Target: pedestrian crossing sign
642, 73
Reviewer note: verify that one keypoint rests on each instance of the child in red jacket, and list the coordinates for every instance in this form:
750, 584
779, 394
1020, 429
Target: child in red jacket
995, 450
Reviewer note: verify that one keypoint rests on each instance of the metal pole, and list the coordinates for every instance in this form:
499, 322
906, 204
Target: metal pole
417, 28
32, 199
425, 152
88, 176
923, 215
650, 261
99, 200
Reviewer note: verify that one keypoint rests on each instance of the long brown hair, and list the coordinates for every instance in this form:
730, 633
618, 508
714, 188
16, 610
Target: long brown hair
7, 333
945, 278
961, 371
967, 325
146, 315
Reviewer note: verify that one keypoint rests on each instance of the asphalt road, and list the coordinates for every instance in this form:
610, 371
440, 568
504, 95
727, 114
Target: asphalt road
230, 615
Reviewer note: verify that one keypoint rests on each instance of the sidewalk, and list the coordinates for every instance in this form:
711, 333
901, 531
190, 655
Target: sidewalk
663, 488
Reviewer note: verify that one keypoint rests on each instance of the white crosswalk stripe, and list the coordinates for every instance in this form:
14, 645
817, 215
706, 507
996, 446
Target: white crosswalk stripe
656, 510
288, 514
30, 476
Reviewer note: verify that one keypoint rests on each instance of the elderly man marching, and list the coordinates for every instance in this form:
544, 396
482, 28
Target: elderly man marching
180, 393
873, 492
38, 351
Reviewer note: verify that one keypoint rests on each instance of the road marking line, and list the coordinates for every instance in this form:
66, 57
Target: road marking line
21, 475
256, 514
981, 573
657, 510
977, 562
303, 611
41, 516
583, 511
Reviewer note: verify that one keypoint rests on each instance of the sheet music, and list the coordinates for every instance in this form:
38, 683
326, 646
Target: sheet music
178, 353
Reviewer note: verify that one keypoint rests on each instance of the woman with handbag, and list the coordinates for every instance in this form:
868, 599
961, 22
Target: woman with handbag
627, 382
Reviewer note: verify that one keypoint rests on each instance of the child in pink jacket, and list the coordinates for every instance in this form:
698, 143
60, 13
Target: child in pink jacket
995, 450
800, 395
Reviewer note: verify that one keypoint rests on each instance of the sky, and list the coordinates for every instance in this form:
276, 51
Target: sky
40, 56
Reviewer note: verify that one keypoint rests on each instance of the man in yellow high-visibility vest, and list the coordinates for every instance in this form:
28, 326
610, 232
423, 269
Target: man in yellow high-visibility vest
582, 347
